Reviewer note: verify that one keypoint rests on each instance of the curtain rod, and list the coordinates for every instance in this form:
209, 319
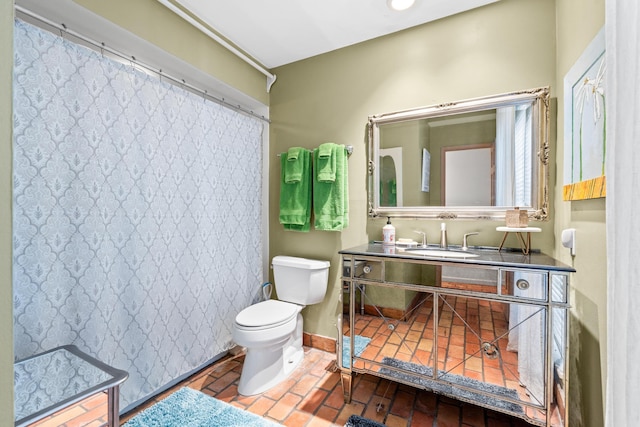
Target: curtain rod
123, 58
347, 148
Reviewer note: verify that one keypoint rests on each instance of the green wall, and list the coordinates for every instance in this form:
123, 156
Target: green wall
502, 47
6, 297
505, 46
578, 21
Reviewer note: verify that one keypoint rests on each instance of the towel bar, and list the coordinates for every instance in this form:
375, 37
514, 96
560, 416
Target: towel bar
349, 149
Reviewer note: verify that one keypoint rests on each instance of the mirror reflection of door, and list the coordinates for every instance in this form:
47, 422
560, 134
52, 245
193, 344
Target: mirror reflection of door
391, 177
468, 175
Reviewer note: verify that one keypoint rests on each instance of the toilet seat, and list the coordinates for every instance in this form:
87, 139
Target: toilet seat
267, 314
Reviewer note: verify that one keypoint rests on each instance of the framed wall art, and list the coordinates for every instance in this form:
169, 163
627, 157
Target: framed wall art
585, 118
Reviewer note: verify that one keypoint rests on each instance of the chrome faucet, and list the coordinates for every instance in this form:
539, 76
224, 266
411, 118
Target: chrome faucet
443, 236
464, 240
424, 238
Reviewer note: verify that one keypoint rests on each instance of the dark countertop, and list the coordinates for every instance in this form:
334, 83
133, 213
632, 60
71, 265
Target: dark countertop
486, 256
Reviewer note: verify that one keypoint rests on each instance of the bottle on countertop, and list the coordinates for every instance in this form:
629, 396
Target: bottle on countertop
388, 233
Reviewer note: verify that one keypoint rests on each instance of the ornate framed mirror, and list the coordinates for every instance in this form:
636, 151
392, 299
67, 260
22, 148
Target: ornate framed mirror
470, 159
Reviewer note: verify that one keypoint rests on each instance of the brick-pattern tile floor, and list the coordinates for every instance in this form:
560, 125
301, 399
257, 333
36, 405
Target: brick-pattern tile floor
312, 396
91, 412
464, 326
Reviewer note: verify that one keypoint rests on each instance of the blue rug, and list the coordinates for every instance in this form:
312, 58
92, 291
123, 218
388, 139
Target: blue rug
360, 343
190, 408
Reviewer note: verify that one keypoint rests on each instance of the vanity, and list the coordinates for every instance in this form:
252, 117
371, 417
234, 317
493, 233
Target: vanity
482, 326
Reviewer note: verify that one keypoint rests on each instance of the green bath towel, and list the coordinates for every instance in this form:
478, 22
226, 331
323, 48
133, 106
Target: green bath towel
331, 198
295, 197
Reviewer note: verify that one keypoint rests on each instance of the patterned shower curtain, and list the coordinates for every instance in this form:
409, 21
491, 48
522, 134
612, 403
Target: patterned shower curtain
137, 213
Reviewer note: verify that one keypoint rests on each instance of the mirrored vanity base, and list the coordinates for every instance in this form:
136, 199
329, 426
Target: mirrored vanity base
498, 343
458, 378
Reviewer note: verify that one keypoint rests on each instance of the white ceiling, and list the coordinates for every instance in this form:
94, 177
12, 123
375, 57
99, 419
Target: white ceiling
274, 32
278, 32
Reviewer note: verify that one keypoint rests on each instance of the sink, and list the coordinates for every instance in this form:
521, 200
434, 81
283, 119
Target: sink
441, 253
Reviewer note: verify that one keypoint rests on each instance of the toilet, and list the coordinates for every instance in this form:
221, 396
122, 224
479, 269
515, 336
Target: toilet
271, 330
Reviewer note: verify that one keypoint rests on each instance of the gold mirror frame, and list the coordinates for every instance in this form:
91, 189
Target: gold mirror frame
539, 98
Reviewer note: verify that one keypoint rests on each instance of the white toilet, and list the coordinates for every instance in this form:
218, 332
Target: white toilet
271, 330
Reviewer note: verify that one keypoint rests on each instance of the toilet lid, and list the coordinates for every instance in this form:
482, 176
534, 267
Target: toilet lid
267, 313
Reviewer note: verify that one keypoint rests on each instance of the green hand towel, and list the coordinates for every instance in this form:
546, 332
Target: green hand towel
294, 166
295, 197
326, 161
331, 199
326, 149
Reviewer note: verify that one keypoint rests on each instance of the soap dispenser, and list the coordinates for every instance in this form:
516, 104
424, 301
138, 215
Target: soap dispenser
388, 233
443, 236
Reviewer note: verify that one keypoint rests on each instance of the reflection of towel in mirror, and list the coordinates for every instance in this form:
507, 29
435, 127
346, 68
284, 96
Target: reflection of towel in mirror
326, 161
295, 197
426, 169
331, 198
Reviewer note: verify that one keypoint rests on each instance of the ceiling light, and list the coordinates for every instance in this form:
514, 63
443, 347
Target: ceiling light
400, 4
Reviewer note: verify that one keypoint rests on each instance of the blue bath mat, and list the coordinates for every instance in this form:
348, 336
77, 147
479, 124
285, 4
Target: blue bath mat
190, 408
359, 344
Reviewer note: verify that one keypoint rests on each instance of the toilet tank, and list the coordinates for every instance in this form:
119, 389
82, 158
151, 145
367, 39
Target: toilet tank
299, 280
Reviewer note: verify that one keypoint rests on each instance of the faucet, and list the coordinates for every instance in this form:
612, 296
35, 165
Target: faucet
464, 240
424, 238
443, 236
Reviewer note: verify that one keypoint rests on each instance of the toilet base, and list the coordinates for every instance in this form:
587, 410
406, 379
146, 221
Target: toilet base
266, 367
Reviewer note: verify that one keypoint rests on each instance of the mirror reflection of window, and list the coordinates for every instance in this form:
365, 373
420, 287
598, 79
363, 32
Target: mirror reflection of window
523, 156
514, 148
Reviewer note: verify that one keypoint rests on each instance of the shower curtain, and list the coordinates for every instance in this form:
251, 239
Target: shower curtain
137, 212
